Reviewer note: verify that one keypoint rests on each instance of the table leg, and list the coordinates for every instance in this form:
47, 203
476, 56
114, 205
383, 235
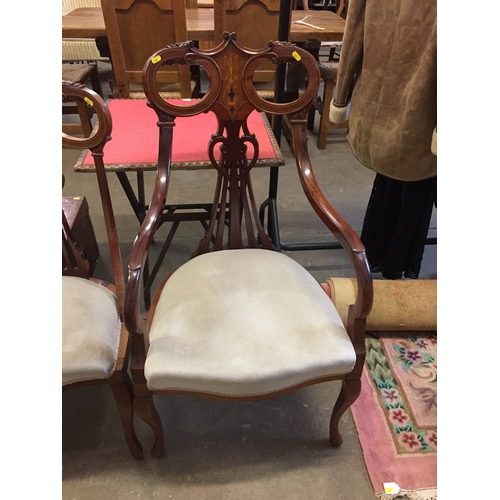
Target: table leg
141, 194
129, 192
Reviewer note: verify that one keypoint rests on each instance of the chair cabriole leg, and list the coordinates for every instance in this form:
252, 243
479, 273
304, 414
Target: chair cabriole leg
348, 394
124, 403
146, 411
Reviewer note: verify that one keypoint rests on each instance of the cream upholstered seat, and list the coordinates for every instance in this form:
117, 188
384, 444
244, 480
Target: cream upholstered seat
94, 338
244, 323
240, 320
90, 330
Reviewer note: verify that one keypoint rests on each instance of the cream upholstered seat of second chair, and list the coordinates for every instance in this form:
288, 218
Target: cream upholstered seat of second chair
90, 330
244, 323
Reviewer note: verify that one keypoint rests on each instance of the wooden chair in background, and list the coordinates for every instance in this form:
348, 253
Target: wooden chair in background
79, 49
322, 104
240, 320
95, 347
328, 70
80, 58
136, 29
84, 74
257, 23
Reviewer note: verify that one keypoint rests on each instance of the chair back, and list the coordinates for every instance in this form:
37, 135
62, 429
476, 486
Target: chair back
101, 134
233, 148
255, 21
136, 29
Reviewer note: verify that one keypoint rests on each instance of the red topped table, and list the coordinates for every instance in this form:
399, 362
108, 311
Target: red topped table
134, 148
134, 143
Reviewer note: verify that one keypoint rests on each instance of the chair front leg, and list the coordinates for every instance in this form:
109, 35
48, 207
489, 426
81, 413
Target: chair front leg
351, 388
143, 398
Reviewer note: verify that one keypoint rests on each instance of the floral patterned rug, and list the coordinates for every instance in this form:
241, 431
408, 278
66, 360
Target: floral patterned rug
395, 415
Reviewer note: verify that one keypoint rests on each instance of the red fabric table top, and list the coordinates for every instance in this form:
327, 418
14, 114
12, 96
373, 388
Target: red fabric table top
134, 143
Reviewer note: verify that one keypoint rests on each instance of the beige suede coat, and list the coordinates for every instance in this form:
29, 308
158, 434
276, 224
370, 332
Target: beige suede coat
387, 73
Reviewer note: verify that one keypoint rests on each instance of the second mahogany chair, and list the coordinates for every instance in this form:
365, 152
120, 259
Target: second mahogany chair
95, 342
240, 320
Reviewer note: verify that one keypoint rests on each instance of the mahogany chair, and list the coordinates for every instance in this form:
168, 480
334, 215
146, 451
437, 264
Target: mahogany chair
95, 345
256, 22
240, 320
136, 29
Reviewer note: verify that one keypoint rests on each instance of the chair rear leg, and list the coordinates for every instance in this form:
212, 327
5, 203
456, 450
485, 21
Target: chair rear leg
124, 402
95, 82
348, 394
311, 115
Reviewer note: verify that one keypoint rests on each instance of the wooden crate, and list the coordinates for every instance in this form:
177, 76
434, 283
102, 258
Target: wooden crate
76, 210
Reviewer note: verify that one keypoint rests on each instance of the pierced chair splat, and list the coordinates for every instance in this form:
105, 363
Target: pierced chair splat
95, 342
240, 320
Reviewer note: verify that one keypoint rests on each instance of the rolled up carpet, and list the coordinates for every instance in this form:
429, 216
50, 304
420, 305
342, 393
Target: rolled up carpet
397, 304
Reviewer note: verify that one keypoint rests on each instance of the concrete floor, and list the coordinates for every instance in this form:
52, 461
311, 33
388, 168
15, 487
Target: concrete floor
219, 450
